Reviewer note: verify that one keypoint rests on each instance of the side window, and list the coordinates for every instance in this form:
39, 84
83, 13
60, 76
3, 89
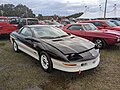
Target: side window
75, 27
26, 32
97, 23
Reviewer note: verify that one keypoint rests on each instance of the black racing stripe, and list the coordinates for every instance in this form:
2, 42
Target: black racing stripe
54, 47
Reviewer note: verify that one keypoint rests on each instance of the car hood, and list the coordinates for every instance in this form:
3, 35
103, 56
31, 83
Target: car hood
70, 44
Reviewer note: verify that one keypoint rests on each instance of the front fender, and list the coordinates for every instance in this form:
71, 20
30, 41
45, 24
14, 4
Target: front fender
52, 51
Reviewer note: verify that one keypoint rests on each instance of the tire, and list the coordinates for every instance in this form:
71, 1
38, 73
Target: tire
45, 62
100, 43
15, 47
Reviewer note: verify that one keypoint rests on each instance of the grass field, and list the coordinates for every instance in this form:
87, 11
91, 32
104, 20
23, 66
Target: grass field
19, 71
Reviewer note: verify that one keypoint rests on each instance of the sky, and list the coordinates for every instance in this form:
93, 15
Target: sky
64, 7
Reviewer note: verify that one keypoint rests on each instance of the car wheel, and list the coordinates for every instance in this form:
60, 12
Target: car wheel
46, 62
100, 43
15, 46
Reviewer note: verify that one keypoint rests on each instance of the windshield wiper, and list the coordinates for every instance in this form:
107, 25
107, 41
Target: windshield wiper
47, 37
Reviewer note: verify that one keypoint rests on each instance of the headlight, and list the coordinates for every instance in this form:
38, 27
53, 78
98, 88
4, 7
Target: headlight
73, 57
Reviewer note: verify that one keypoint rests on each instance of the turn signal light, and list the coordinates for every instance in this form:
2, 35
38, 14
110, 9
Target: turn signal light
70, 64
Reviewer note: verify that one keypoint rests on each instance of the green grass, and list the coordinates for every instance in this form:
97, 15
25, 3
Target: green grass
19, 71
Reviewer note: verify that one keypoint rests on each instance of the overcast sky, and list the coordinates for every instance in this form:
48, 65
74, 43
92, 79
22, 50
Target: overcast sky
63, 7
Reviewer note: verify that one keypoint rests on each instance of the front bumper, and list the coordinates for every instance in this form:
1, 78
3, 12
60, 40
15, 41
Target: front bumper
80, 66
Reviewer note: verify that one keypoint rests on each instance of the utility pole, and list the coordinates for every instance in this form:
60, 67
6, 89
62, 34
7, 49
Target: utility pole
115, 8
105, 9
100, 12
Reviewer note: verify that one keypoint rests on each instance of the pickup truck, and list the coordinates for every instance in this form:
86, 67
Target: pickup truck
6, 27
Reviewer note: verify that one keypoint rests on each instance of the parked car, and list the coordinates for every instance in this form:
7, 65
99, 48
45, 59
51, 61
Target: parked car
116, 22
66, 21
28, 21
101, 38
55, 24
5, 26
14, 20
103, 24
54, 48
41, 22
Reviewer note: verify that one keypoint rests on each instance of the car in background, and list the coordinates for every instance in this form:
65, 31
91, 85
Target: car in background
41, 22
28, 21
116, 22
73, 20
66, 21
5, 26
54, 48
14, 20
55, 24
103, 24
101, 38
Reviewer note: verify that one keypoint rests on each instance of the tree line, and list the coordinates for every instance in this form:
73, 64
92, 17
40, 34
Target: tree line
23, 11
18, 10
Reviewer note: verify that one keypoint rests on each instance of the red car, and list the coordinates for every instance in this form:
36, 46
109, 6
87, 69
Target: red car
101, 38
103, 24
6, 27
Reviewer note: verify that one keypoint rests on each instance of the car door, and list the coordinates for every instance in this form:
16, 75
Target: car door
76, 30
88, 31
26, 42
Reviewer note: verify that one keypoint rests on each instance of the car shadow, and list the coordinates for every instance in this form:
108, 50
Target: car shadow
4, 37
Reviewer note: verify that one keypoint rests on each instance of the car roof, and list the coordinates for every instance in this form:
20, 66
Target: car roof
79, 23
3, 17
29, 18
13, 17
94, 20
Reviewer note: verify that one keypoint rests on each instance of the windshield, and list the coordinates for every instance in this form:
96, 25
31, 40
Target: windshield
48, 32
90, 27
111, 24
